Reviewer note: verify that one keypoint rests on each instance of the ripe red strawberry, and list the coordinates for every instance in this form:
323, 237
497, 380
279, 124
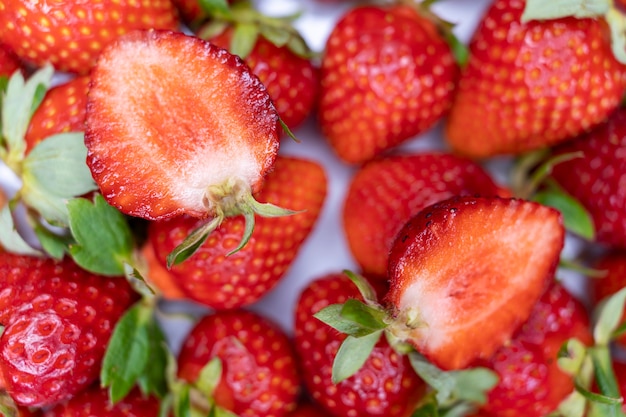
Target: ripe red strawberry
596, 178
534, 84
470, 266
219, 281
259, 370
290, 78
386, 192
386, 385
94, 402
190, 11
57, 321
70, 35
531, 383
386, 75
203, 155
62, 110
307, 408
9, 62
613, 265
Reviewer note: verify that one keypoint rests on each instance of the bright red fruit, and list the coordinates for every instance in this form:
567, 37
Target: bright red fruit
386, 75
613, 265
9, 62
62, 110
470, 266
94, 402
596, 178
386, 384
259, 368
386, 192
57, 321
70, 34
219, 281
531, 382
534, 84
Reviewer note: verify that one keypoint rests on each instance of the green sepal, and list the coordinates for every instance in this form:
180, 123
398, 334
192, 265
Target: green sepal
352, 354
209, 377
460, 51
365, 288
608, 316
10, 238
427, 407
571, 357
617, 23
576, 218
54, 172
332, 316
366, 317
215, 8
192, 243
244, 38
153, 378
555, 9
288, 131
103, 240
182, 402
54, 244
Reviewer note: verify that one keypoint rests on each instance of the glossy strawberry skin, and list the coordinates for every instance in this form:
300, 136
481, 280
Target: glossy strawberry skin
387, 191
531, 382
58, 319
222, 282
386, 385
596, 178
386, 76
467, 266
532, 85
291, 80
62, 110
70, 35
94, 402
613, 265
156, 167
259, 376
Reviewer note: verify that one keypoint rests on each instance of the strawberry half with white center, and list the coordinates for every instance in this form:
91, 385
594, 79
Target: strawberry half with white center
176, 125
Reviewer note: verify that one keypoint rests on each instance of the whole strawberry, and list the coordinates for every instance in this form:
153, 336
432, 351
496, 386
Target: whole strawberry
529, 85
596, 177
212, 278
531, 383
70, 35
387, 74
57, 321
387, 191
386, 385
259, 374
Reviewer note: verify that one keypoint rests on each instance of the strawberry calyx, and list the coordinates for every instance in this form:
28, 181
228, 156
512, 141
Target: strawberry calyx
231, 198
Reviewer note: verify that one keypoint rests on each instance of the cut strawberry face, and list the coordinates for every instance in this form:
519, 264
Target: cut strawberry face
466, 272
176, 125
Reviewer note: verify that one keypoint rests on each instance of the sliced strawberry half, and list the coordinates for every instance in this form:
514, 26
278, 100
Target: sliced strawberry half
466, 272
176, 125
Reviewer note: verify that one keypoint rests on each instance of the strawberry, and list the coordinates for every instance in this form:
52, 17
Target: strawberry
9, 62
70, 35
190, 11
62, 110
387, 191
386, 385
306, 408
206, 158
468, 266
57, 320
532, 84
596, 178
613, 265
258, 365
94, 402
386, 76
211, 278
531, 382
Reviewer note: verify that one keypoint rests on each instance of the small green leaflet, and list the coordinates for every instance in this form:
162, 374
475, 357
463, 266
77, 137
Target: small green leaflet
608, 317
104, 242
53, 244
365, 289
554, 9
368, 318
576, 218
352, 354
215, 8
10, 238
617, 22
244, 38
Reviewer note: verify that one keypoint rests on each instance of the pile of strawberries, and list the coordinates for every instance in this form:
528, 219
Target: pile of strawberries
146, 178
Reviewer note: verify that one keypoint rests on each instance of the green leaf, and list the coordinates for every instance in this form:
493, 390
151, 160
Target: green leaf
331, 316
53, 244
192, 243
10, 238
576, 218
571, 356
617, 24
104, 242
215, 8
153, 380
244, 38
209, 377
365, 288
277, 35
608, 317
428, 407
460, 51
365, 316
182, 402
555, 9
352, 354
21, 99
125, 359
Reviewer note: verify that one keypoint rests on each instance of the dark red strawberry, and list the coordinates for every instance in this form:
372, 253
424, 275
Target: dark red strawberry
219, 281
70, 35
387, 74
169, 150
596, 178
386, 385
259, 371
386, 192
9, 62
531, 382
62, 110
613, 267
530, 85
57, 321
470, 266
